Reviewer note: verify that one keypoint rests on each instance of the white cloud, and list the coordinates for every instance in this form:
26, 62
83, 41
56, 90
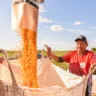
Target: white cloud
44, 20
42, 9
57, 28
77, 23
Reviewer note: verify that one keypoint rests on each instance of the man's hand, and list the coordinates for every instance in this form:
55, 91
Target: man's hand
50, 54
93, 68
48, 51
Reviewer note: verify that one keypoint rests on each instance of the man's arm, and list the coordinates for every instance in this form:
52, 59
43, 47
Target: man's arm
53, 56
56, 58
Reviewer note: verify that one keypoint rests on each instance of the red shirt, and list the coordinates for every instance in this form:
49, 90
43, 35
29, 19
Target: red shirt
79, 64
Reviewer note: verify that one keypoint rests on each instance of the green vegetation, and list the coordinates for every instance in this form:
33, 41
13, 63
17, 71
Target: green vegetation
58, 53
10, 53
63, 65
94, 50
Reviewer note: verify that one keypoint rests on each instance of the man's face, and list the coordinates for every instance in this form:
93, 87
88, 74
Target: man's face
81, 46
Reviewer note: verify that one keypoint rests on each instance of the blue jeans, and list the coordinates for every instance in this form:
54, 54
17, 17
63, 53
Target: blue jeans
89, 86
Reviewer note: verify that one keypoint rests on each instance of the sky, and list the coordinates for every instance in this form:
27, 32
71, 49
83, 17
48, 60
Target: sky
60, 23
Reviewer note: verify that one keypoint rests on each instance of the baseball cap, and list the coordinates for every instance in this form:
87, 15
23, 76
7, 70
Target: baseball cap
82, 38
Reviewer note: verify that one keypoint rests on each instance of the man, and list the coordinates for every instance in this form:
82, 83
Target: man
81, 60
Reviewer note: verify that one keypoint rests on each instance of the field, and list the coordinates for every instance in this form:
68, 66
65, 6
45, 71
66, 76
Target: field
15, 54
